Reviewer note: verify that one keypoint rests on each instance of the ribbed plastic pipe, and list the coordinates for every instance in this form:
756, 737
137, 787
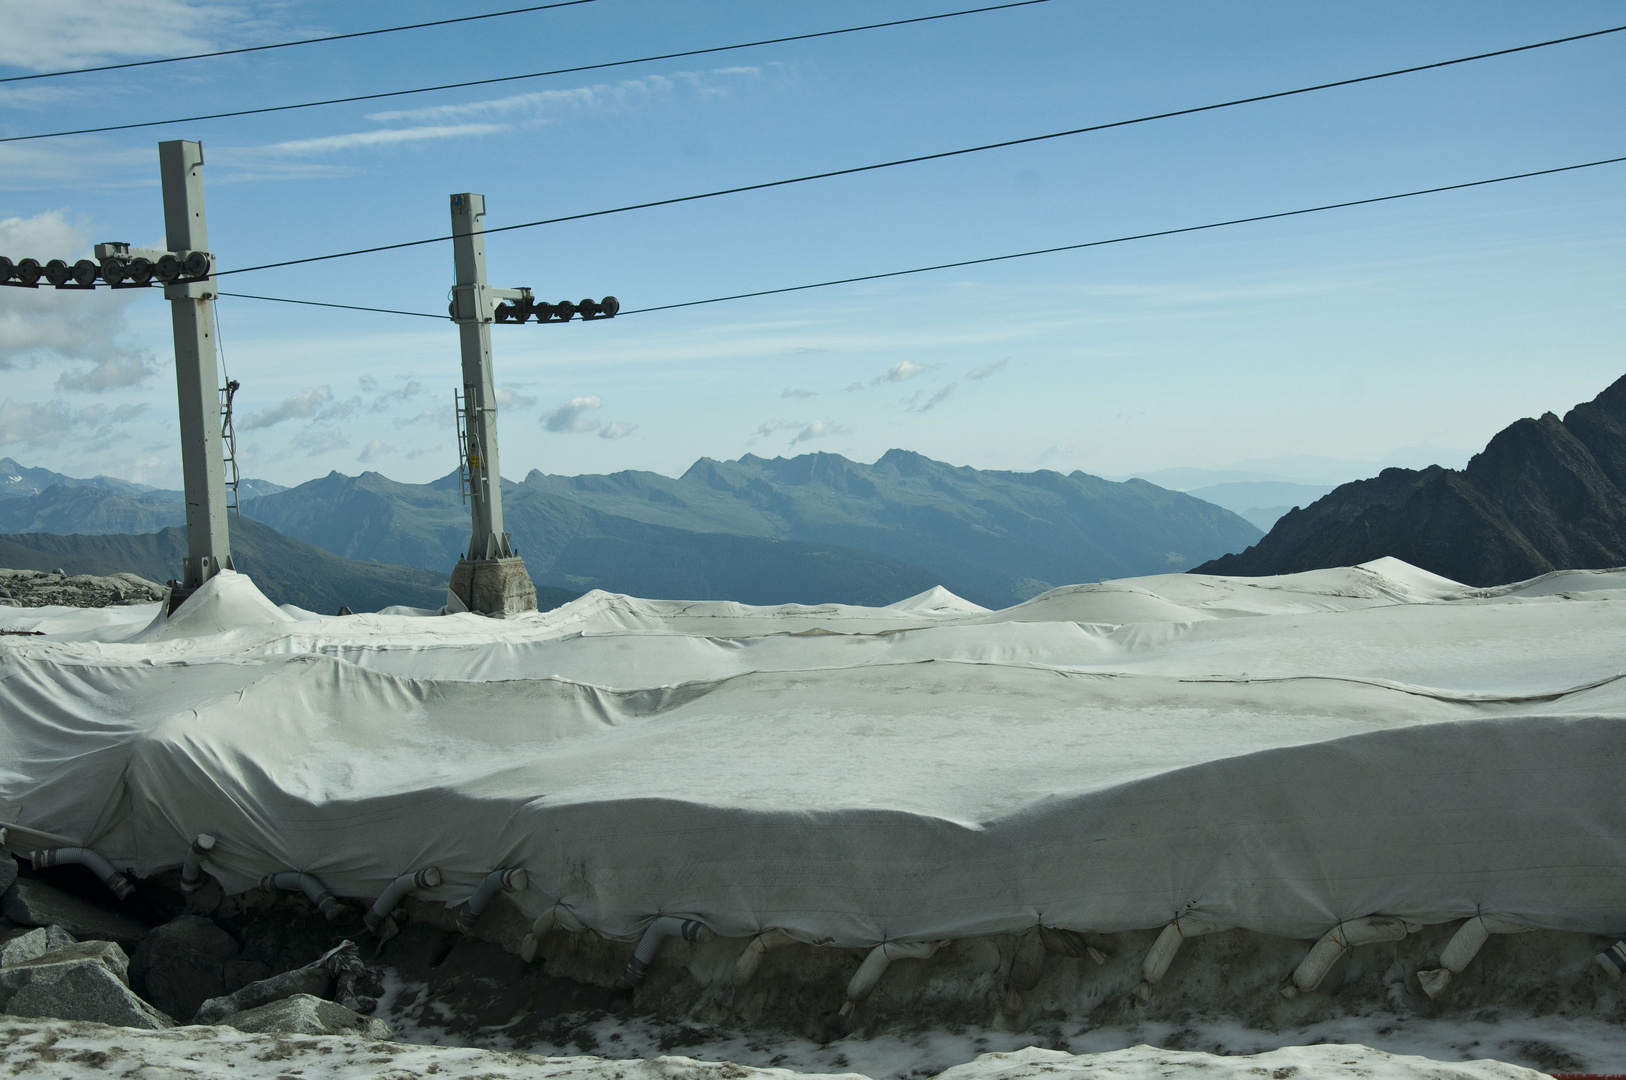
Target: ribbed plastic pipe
427, 878
512, 878
192, 863
84, 856
310, 885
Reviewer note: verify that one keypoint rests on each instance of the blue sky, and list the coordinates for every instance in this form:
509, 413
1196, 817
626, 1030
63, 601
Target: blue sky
1405, 332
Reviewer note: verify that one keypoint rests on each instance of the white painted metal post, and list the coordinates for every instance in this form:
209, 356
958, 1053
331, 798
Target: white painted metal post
473, 308
491, 579
208, 545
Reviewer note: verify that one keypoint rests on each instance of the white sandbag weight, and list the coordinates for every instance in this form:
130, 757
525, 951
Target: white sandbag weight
90, 860
427, 878
509, 879
192, 862
658, 931
1070, 943
1613, 960
751, 959
875, 964
1346, 935
556, 916
1462, 948
1027, 968
1163, 950
310, 885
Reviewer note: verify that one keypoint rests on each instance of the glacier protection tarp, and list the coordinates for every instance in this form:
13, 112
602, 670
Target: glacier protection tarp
1275, 753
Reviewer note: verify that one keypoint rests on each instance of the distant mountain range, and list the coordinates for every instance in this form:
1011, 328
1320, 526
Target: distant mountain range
286, 570
19, 481
1260, 502
813, 528
1545, 494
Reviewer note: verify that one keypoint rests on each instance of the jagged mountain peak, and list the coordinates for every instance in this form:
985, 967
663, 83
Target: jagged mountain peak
1544, 494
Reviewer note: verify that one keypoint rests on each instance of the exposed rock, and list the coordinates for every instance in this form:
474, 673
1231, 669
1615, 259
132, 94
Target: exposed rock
106, 953
181, 964
1545, 494
8, 871
34, 944
303, 1014
35, 588
239, 973
84, 981
341, 965
34, 903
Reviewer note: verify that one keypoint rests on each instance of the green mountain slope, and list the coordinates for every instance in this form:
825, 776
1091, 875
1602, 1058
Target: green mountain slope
92, 510
288, 571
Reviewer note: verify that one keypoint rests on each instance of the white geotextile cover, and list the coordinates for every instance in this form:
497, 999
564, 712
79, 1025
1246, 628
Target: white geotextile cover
1275, 753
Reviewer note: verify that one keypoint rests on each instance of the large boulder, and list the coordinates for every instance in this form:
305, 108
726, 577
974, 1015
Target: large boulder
8, 871
84, 981
34, 903
181, 964
33, 944
305, 1014
315, 979
106, 953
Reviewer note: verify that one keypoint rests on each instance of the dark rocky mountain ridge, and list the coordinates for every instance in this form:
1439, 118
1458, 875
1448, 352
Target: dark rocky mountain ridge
1545, 494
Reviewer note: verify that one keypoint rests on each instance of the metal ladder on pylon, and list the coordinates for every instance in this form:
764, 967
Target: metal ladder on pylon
228, 442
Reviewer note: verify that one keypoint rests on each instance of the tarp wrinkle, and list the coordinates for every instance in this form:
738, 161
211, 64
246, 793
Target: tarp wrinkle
1282, 754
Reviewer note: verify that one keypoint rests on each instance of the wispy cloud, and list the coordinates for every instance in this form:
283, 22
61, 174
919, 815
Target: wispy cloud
112, 373
374, 450
987, 369
41, 324
513, 399
319, 441
617, 429
789, 393
44, 424
40, 37
806, 430
383, 402
380, 137
917, 405
541, 106
302, 406
819, 429
902, 371
438, 416
571, 417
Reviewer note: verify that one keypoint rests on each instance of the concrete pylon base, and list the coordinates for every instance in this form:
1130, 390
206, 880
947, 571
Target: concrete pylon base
494, 586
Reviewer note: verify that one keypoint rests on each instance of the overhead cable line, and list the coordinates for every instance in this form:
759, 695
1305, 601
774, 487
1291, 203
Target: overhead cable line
321, 303
922, 157
1028, 254
528, 75
291, 44
1132, 237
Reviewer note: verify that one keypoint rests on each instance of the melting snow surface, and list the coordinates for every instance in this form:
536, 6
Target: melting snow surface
67, 1050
